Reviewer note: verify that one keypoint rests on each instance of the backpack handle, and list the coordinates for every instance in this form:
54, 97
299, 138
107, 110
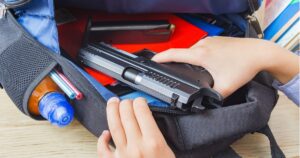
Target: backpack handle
275, 149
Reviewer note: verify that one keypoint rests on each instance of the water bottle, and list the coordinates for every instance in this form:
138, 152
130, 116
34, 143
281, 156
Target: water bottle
48, 101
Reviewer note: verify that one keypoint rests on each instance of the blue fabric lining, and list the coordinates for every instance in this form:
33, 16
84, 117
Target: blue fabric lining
37, 17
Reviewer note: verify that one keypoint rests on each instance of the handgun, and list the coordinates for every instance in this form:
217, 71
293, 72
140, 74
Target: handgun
177, 84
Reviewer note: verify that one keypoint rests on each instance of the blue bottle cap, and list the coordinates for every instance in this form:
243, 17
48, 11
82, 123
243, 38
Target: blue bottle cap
56, 109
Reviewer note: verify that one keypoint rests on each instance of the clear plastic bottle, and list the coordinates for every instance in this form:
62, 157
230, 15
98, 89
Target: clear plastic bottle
47, 100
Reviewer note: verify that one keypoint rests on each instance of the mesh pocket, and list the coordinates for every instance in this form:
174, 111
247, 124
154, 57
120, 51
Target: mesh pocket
20, 64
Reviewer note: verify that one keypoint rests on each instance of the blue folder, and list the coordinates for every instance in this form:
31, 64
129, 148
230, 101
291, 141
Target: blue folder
150, 100
211, 29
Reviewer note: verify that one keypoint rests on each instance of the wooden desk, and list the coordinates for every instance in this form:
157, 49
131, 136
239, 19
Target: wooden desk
21, 137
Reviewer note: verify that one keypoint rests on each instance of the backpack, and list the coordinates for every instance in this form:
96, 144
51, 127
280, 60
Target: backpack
24, 62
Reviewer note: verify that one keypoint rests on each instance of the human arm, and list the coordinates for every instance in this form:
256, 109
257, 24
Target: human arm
233, 62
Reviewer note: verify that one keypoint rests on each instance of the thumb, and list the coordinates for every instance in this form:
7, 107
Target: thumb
103, 145
175, 55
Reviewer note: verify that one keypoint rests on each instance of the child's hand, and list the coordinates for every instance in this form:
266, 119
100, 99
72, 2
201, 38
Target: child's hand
234, 61
134, 132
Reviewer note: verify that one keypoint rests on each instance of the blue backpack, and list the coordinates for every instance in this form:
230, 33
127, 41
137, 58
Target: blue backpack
24, 62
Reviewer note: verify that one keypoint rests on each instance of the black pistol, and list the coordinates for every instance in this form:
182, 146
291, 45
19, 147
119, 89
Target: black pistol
177, 84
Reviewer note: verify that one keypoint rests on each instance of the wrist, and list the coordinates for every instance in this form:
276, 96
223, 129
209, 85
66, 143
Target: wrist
282, 64
266, 56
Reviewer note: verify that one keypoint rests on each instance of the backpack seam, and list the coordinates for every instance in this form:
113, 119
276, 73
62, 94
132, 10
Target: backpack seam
181, 140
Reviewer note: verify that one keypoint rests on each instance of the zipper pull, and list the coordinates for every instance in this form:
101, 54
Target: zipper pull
3, 9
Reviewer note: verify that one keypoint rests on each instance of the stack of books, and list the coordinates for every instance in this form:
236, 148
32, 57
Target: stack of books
282, 23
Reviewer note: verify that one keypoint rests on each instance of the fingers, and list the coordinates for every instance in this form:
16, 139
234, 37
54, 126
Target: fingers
115, 123
175, 55
142, 136
148, 126
129, 121
103, 145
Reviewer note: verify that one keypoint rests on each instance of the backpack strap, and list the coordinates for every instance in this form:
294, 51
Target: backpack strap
228, 153
276, 152
275, 149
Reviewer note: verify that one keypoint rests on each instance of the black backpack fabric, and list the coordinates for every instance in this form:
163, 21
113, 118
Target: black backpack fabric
24, 63
166, 6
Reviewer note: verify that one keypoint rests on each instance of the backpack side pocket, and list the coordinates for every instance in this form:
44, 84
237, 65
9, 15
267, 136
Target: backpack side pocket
23, 61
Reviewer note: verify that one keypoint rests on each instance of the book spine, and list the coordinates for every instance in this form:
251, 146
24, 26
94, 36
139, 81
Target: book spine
282, 22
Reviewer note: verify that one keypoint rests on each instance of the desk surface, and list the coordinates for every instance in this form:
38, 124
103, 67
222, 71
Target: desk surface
21, 137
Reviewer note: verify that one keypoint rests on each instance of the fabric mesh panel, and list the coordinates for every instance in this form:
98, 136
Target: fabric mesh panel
21, 63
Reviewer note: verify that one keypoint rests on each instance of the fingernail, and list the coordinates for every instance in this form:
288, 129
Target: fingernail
142, 99
112, 100
105, 132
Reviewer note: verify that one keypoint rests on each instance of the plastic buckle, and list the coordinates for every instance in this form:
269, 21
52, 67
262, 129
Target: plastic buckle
253, 21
